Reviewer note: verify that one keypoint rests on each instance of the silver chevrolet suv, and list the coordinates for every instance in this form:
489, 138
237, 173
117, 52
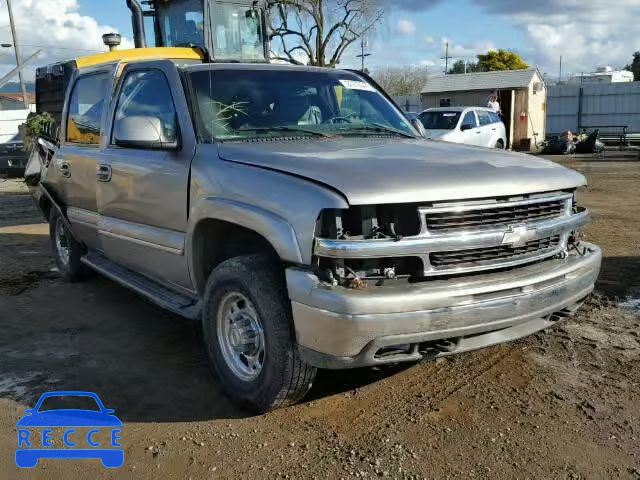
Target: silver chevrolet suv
300, 217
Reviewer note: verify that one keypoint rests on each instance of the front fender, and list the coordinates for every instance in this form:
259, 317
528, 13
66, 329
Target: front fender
278, 232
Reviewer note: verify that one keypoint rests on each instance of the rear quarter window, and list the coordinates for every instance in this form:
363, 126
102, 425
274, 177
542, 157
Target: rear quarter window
495, 118
86, 105
484, 118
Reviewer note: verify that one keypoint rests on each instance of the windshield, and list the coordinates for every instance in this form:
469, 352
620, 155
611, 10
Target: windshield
69, 402
237, 31
241, 103
440, 120
182, 23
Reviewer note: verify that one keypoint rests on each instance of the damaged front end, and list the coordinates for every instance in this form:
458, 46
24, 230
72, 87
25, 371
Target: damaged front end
396, 283
376, 224
374, 245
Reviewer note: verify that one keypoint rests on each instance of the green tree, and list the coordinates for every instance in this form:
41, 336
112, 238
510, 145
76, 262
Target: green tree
635, 66
459, 67
495, 60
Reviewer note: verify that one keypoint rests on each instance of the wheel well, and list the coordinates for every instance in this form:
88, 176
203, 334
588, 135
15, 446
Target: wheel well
45, 207
215, 241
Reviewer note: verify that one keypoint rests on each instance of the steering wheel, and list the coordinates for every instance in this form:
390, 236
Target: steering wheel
338, 119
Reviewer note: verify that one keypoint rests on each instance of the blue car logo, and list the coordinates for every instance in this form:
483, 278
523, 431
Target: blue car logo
36, 444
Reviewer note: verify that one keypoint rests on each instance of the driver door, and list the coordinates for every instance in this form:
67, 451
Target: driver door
143, 189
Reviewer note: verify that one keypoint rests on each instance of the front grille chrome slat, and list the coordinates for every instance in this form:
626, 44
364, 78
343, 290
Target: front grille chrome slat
481, 256
493, 217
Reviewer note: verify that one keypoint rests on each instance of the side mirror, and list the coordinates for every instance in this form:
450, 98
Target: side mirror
29, 411
466, 127
109, 411
417, 124
141, 132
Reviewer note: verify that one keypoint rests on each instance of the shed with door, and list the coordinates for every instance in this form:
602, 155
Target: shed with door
521, 94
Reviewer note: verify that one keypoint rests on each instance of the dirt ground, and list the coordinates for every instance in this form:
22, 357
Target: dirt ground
561, 404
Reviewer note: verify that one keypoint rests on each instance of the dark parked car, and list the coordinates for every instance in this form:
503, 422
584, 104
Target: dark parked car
13, 159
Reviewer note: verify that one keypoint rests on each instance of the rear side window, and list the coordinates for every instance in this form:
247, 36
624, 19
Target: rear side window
484, 117
147, 94
470, 119
85, 109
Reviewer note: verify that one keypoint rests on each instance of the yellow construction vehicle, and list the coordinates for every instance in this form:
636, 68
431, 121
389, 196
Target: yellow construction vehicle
184, 31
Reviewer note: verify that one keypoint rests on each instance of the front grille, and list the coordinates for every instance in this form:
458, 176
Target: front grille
493, 255
498, 216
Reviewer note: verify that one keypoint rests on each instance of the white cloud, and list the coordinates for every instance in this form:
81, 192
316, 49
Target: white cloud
57, 28
587, 33
458, 51
407, 27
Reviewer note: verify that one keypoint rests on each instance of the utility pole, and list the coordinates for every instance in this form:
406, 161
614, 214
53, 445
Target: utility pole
446, 59
362, 56
17, 52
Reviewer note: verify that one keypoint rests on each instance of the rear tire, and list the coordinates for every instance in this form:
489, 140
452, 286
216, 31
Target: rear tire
66, 250
249, 336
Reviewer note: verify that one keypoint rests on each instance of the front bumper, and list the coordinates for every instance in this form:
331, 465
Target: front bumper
342, 328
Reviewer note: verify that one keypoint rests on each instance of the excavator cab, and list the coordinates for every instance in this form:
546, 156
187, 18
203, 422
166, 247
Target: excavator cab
227, 30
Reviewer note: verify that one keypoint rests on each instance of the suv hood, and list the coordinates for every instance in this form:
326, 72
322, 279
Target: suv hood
393, 170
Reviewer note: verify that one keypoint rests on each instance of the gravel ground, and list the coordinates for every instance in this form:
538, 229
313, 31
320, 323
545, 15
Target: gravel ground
561, 404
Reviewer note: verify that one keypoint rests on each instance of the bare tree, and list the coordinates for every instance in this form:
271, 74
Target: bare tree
318, 32
401, 81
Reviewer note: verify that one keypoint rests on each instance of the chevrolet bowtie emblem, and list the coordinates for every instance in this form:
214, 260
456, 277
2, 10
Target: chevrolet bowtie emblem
518, 236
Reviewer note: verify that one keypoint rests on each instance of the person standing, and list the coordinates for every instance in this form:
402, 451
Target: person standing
493, 103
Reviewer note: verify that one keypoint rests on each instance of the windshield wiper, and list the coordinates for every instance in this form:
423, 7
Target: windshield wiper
284, 129
378, 128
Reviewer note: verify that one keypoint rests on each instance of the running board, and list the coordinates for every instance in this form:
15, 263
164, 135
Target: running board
162, 296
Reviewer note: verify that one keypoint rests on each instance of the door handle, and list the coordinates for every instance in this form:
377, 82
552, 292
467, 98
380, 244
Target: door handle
104, 173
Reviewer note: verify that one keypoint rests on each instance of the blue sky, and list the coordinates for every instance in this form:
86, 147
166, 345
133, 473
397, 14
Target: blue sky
588, 33
468, 28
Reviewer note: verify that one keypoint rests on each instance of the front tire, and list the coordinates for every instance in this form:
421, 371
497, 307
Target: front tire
249, 337
499, 145
66, 250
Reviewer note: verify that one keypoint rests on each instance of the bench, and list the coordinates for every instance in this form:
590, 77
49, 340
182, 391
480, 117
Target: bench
611, 134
